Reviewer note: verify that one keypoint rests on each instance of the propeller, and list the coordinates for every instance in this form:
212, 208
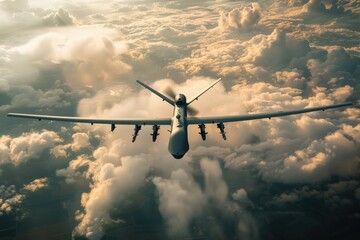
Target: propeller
171, 93
192, 111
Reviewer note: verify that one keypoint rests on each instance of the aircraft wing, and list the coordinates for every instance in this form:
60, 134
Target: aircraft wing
125, 121
237, 118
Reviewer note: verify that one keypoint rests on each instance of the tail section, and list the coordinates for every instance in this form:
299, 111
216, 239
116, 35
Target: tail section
202, 92
167, 99
164, 98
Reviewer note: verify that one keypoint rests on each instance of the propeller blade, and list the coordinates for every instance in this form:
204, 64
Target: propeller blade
192, 111
170, 92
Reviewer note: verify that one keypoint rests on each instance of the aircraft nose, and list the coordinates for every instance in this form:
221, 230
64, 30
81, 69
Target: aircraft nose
178, 156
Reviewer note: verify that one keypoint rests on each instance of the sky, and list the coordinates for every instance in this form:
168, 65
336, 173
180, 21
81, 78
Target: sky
283, 178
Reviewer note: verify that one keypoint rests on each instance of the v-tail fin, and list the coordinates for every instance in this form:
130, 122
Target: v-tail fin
203, 91
164, 98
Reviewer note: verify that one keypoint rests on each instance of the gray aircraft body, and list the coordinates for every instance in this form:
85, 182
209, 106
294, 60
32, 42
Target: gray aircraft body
178, 141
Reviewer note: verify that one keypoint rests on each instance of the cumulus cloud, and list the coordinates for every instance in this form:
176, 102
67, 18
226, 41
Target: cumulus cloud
21, 149
339, 69
253, 56
180, 201
83, 58
217, 195
281, 64
240, 19
9, 199
275, 132
37, 184
112, 185
240, 195
76, 169
60, 151
215, 186
275, 49
80, 140
293, 78
248, 149
28, 97
59, 18
17, 15
336, 154
285, 198
321, 7
334, 196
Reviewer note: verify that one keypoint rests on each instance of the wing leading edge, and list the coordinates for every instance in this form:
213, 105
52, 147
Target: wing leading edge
134, 121
237, 118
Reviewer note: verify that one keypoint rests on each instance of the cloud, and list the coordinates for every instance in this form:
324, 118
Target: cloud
37, 184
9, 199
297, 2
240, 195
21, 149
321, 6
27, 97
336, 154
293, 78
273, 141
232, 56
112, 185
257, 138
4, 85
315, 128
80, 140
59, 18
5, 151
219, 204
340, 194
14, 5
18, 15
338, 70
215, 186
286, 198
83, 58
76, 169
60, 151
180, 201
277, 58
240, 19
275, 49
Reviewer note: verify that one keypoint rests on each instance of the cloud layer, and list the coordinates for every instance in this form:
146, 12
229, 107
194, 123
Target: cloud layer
83, 58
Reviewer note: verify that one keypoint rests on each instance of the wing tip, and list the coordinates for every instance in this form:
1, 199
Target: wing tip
345, 104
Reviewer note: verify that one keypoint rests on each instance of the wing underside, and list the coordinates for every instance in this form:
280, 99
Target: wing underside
237, 118
156, 121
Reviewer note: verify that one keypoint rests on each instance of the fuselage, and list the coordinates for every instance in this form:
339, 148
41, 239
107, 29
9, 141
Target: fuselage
178, 141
